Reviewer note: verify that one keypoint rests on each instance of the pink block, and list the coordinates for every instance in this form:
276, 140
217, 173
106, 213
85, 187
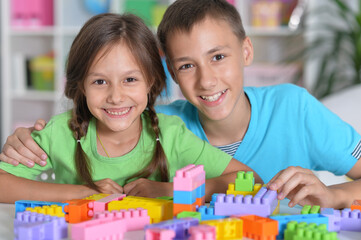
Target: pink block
202, 232
98, 229
101, 205
159, 234
18, 13
135, 219
189, 178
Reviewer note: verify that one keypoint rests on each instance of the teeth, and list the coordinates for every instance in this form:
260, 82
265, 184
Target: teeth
118, 113
213, 98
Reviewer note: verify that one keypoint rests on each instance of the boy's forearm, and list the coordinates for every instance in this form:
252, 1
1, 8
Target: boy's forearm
346, 193
14, 188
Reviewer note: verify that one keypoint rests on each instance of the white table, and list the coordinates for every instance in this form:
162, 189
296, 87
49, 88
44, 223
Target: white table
7, 214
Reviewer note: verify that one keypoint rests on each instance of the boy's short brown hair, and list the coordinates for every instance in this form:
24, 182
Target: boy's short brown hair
182, 15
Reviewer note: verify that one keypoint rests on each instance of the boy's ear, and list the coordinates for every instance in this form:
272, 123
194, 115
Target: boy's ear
247, 51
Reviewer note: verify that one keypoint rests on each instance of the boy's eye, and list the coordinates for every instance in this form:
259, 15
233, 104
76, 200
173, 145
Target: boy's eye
186, 66
218, 57
100, 81
130, 79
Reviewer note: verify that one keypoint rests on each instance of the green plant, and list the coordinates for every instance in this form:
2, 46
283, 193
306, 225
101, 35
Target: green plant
336, 46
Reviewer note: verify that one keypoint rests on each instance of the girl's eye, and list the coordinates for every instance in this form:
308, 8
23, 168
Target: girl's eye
218, 57
130, 80
186, 66
100, 82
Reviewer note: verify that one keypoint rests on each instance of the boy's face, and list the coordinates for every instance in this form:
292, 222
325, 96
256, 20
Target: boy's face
207, 63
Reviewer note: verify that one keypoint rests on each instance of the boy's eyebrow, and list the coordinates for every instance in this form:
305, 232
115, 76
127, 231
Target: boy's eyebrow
209, 52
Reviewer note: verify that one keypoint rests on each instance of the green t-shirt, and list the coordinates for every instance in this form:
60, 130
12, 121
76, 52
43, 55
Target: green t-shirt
181, 148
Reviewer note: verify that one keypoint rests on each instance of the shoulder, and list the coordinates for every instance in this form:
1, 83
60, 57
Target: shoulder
57, 123
276, 91
180, 108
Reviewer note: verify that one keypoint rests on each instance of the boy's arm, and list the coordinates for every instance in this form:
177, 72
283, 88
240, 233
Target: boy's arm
302, 187
21, 147
14, 188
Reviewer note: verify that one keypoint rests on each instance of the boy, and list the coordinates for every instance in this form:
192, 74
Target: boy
270, 129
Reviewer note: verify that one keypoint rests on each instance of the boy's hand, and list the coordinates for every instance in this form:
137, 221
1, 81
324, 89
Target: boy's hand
21, 148
143, 187
302, 187
107, 185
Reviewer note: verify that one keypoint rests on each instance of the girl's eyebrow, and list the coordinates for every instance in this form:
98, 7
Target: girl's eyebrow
130, 72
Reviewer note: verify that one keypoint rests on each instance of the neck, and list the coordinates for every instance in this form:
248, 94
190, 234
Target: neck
230, 129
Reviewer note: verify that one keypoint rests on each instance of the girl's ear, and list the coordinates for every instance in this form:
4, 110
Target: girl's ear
247, 48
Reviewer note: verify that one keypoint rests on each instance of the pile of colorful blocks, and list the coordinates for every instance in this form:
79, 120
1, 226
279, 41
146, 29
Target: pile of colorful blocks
247, 210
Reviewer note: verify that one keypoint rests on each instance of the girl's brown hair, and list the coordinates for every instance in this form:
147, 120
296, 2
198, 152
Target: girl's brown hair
105, 31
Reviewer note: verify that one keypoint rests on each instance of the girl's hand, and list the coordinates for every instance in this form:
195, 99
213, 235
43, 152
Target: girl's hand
108, 186
143, 187
21, 148
302, 187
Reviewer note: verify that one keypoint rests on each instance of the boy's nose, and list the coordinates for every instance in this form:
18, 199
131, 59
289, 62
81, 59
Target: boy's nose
207, 78
116, 95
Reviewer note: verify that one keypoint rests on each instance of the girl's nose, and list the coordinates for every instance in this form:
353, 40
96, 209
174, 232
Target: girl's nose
116, 95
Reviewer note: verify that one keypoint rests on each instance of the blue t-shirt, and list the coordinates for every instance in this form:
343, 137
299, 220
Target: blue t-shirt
288, 127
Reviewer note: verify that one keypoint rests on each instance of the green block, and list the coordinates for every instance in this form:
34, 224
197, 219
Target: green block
165, 198
311, 231
244, 181
186, 214
307, 209
141, 8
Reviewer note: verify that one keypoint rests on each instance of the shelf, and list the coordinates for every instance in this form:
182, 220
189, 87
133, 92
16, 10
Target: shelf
34, 95
283, 31
35, 31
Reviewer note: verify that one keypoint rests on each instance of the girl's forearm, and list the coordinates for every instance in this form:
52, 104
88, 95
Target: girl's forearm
14, 188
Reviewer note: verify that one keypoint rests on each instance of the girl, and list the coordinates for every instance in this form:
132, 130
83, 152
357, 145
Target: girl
114, 75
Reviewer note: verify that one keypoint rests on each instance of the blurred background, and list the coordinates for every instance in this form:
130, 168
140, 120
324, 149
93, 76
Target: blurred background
315, 44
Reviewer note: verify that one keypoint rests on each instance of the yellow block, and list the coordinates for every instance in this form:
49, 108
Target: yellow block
227, 228
52, 210
231, 190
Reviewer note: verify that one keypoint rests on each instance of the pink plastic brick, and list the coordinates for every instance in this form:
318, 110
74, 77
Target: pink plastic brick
189, 178
159, 234
262, 204
102, 204
135, 219
202, 232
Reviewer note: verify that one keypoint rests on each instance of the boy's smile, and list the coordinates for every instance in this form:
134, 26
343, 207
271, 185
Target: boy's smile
207, 62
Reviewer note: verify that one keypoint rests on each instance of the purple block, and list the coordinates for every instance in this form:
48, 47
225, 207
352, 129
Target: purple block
179, 226
31, 225
334, 219
350, 220
262, 204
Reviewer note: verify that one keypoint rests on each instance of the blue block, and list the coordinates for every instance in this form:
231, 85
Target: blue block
207, 213
201, 191
308, 218
214, 199
21, 205
184, 197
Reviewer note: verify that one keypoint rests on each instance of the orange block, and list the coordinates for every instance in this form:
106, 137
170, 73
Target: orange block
356, 204
178, 208
78, 210
200, 201
259, 228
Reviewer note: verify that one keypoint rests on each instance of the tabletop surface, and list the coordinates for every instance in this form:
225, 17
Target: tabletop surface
7, 214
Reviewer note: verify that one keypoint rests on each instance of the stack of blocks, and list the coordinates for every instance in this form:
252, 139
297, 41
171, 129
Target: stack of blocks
244, 185
188, 188
311, 231
32, 13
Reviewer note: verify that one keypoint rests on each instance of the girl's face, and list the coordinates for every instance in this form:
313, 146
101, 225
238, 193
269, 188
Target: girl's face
116, 90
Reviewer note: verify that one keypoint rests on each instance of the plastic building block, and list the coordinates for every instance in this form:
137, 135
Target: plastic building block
213, 200
101, 204
184, 197
165, 198
308, 218
97, 196
78, 210
259, 228
207, 213
178, 208
180, 226
52, 210
21, 205
202, 232
356, 204
231, 190
307, 209
189, 178
159, 234
227, 228
350, 220
334, 218
158, 209
311, 231
136, 219
103, 228
262, 204
32, 225
244, 181
186, 214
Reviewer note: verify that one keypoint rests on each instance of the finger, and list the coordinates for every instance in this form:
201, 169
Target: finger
30, 149
270, 184
129, 186
301, 194
117, 188
6, 159
284, 177
15, 159
39, 124
295, 181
